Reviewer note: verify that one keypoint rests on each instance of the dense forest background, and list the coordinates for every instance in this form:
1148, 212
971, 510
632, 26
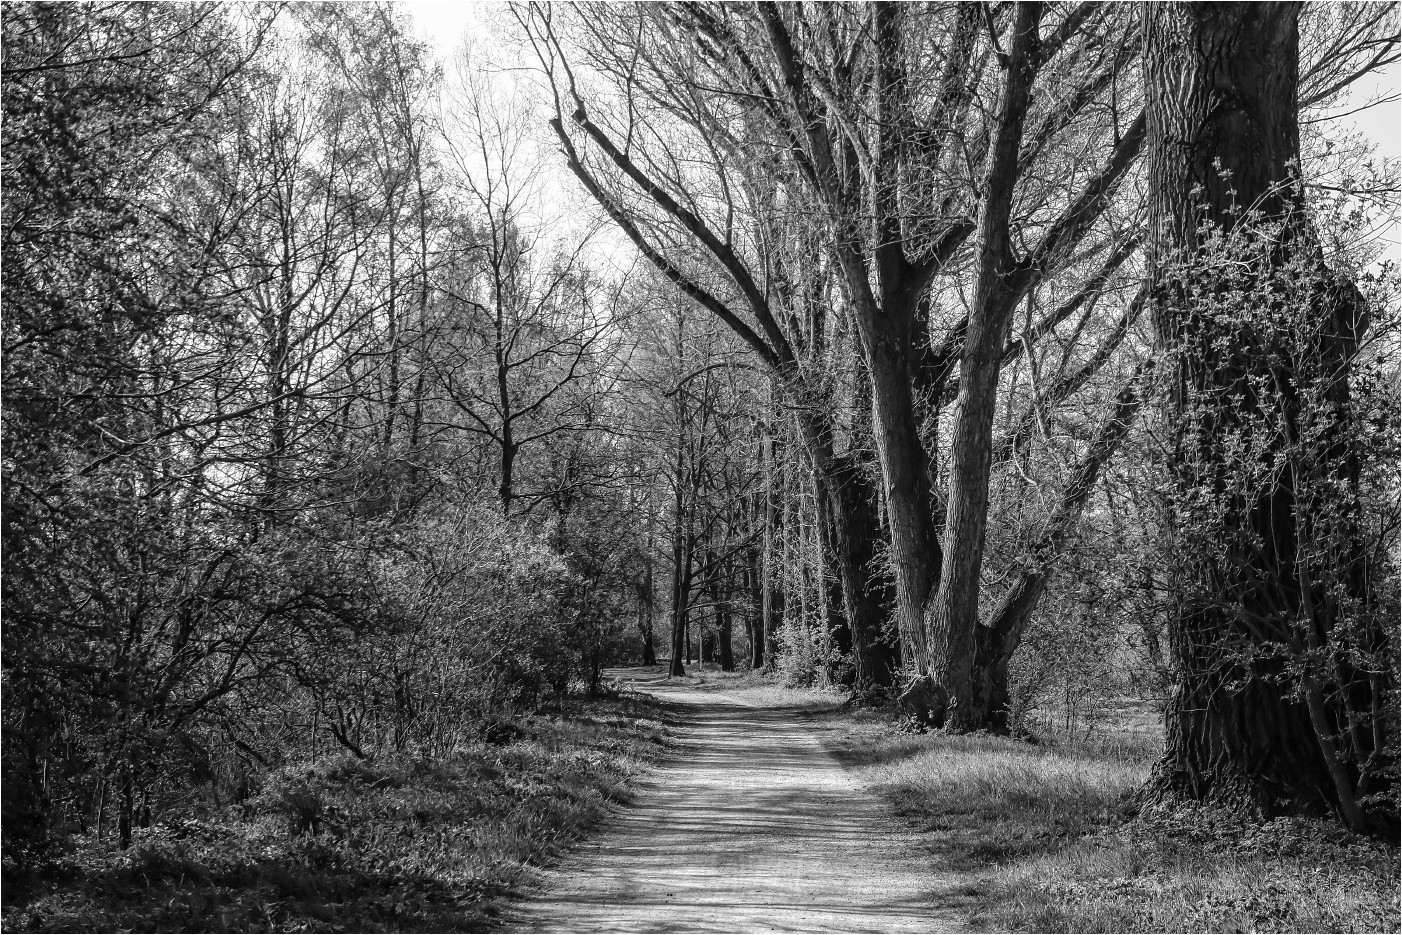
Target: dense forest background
352, 403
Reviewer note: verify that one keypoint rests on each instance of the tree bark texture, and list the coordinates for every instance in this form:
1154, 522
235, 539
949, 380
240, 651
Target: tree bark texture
953, 612
1224, 151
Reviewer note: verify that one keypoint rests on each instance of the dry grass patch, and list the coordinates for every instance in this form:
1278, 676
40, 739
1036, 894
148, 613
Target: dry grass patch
1036, 835
393, 844
989, 799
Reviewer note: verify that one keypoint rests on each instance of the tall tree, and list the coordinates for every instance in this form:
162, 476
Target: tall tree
891, 176
1286, 689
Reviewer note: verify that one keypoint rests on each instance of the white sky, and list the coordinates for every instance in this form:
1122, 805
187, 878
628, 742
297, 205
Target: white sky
445, 23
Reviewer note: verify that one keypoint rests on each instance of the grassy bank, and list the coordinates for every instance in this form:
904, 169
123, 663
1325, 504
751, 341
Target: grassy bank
1035, 839
393, 844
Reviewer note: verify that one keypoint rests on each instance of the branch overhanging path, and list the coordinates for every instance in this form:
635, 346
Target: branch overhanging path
751, 825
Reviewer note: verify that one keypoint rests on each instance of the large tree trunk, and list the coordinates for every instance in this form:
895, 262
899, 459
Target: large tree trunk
953, 612
851, 532
1250, 637
915, 551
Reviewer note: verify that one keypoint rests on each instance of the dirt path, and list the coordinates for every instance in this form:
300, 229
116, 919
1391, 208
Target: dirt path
750, 827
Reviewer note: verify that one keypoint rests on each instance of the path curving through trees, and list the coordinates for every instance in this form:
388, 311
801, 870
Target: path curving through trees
750, 826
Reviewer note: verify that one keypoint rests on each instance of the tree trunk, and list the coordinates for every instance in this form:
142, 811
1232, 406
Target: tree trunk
723, 634
953, 612
645, 605
681, 590
1224, 152
867, 593
915, 550
772, 610
647, 600
754, 617
999, 638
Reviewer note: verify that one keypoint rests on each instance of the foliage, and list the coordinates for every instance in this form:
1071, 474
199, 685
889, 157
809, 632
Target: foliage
404, 842
238, 527
1282, 544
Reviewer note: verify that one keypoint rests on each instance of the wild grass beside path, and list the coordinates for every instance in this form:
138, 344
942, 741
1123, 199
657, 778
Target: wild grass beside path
341, 845
1035, 836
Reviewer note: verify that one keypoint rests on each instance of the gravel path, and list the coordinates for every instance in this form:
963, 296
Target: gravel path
751, 826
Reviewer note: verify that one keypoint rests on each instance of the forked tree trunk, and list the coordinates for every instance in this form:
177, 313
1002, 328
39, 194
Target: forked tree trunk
953, 609
999, 638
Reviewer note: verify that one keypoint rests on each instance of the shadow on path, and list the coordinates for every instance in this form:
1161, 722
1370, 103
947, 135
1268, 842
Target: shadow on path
750, 826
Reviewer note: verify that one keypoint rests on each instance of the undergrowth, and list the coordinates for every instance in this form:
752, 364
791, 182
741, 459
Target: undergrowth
1036, 838
392, 844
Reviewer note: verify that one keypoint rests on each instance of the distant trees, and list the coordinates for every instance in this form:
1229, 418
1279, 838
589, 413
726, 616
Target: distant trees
524, 323
713, 242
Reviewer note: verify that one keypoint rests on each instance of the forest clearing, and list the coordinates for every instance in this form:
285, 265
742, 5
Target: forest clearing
700, 466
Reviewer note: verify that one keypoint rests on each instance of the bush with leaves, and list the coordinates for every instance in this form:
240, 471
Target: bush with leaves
1281, 525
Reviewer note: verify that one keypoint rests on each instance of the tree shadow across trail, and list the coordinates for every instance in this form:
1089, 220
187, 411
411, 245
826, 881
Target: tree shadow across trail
748, 825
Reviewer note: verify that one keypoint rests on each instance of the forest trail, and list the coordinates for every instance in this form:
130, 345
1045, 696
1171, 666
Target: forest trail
749, 826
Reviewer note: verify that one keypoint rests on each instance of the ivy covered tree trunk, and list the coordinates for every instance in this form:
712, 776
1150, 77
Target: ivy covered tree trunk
1279, 650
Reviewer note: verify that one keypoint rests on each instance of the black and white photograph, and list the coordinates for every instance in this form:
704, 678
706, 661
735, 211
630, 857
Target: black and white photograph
700, 466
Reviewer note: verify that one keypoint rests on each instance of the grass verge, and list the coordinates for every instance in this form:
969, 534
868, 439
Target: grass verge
1033, 840
385, 845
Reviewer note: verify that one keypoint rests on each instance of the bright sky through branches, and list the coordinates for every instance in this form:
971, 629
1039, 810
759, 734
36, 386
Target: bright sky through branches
445, 23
